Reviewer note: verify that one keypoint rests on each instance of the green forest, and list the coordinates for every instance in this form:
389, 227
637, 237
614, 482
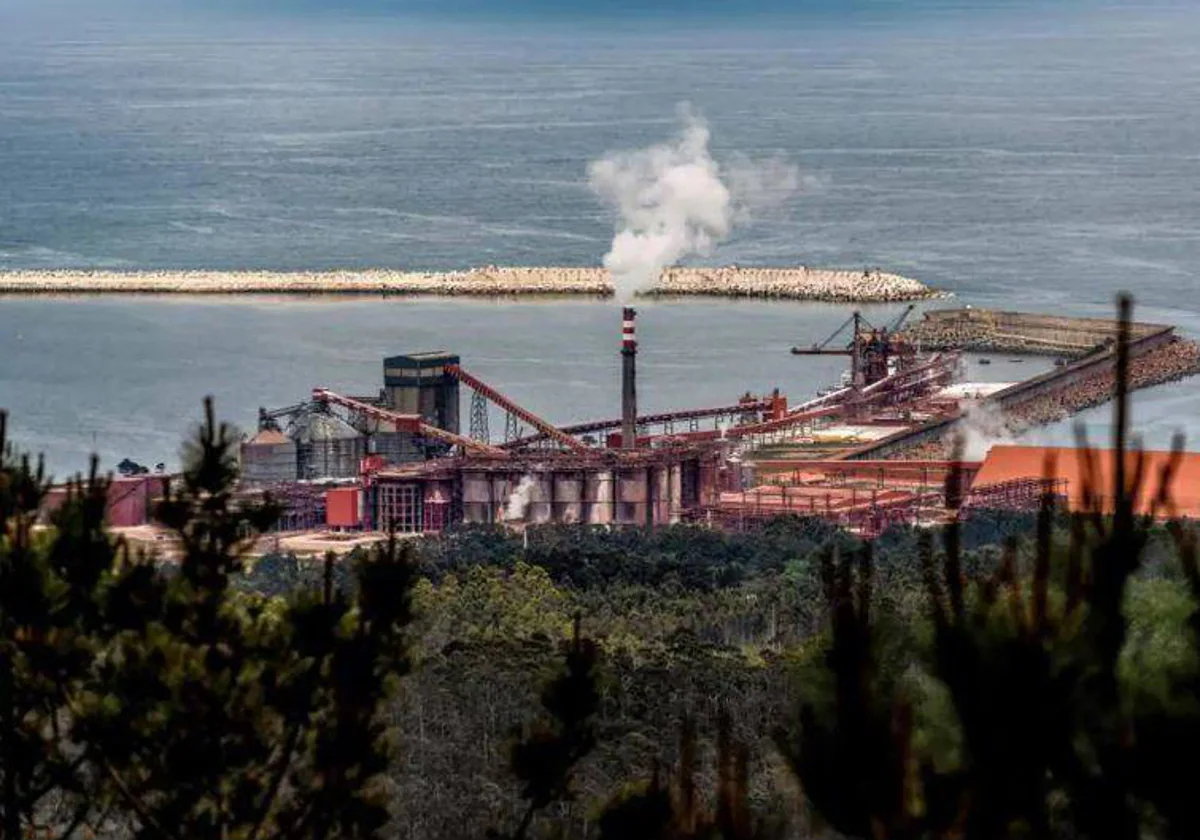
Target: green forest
1012, 675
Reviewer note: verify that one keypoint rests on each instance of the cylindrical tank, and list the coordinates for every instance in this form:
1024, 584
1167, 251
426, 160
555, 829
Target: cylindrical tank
268, 458
327, 447
568, 497
478, 501
598, 497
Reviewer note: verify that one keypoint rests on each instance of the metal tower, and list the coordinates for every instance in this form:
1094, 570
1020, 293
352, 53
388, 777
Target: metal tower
512, 427
479, 417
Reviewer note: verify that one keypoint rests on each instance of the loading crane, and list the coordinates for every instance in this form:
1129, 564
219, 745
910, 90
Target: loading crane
852, 349
822, 348
899, 320
870, 348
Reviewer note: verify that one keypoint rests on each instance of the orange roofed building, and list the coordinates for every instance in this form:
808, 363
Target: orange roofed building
1015, 463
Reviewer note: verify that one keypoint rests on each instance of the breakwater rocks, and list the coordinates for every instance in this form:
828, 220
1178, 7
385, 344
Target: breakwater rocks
991, 331
799, 283
1170, 362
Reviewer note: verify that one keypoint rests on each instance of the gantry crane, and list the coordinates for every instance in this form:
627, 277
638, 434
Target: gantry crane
869, 348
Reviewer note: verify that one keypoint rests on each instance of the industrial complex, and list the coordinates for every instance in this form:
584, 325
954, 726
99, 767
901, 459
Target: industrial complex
875, 450
872, 451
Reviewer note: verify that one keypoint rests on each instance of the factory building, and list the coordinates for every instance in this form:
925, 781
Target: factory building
421, 383
309, 442
414, 471
856, 454
655, 487
129, 502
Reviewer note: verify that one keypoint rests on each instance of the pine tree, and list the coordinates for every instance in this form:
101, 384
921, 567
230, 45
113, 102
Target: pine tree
151, 694
1051, 743
49, 611
547, 754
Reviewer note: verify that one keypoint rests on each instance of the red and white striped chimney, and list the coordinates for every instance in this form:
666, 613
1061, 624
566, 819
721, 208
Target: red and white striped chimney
628, 379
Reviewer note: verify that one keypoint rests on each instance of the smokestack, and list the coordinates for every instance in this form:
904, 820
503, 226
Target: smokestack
628, 379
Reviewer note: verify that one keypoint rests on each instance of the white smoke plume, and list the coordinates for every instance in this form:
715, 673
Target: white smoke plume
520, 499
983, 427
674, 200
721, 427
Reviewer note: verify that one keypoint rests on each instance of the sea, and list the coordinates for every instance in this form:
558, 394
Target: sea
1027, 155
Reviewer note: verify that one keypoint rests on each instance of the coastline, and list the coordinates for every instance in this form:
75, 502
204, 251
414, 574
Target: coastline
791, 283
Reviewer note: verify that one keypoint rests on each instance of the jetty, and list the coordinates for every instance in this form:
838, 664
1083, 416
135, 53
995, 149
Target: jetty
784, 283
1086, 377
995, 331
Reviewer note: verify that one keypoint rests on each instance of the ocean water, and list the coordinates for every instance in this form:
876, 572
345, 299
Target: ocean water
1040, 156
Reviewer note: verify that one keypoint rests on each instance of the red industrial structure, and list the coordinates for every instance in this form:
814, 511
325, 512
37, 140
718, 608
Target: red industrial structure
868, 511
1030, 471
129, 502
398, 461
505, 404
412, 423
643, 487
632, 470
343, 508
874, 354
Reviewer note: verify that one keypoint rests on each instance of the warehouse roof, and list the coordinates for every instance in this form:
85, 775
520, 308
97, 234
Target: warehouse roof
426, 357
1008, 463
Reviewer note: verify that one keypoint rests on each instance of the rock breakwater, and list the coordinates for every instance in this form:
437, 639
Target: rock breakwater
797, 283
987, 331
1170, 362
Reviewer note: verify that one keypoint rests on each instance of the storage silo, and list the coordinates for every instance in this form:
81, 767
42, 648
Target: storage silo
268, 458
327, 446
